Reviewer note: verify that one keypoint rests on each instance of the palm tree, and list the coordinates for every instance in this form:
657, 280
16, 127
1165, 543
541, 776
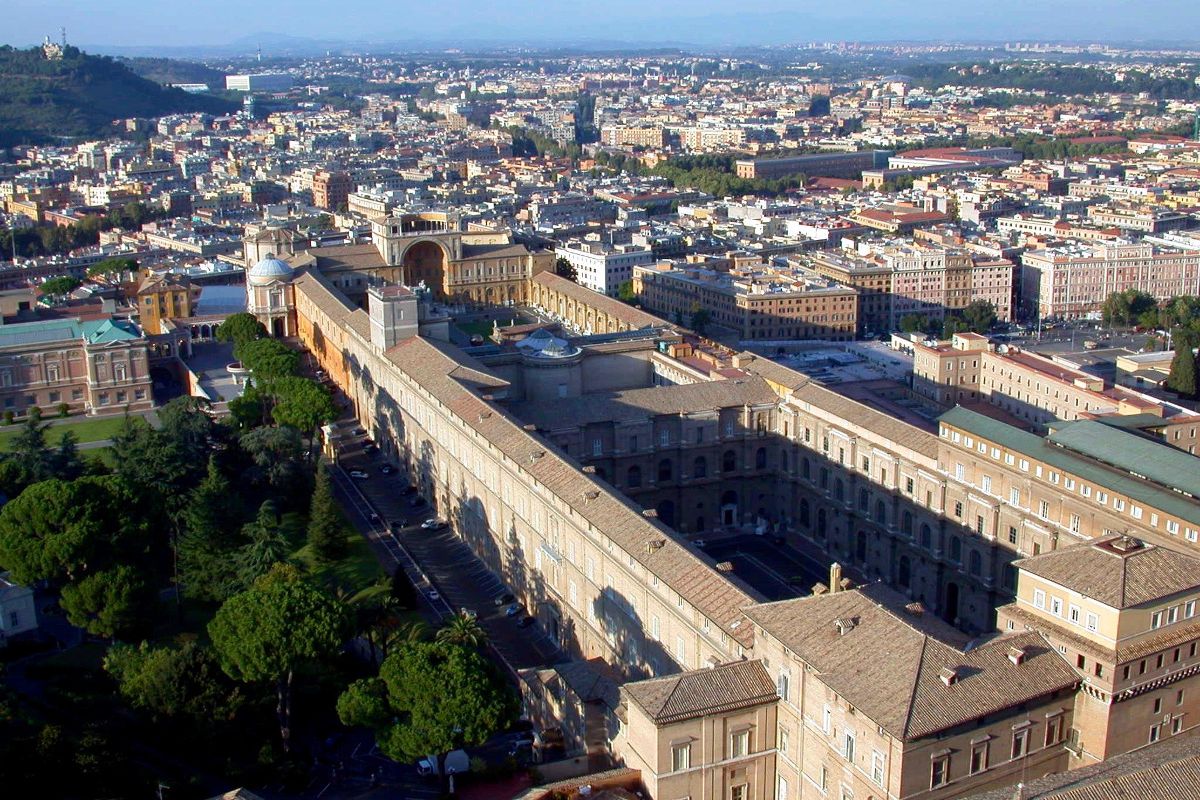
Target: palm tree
464, 630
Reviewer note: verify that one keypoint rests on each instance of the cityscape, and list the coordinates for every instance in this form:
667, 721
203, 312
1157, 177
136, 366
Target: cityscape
613, 403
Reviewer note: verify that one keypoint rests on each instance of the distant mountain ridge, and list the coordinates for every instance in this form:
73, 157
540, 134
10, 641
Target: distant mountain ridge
80, 95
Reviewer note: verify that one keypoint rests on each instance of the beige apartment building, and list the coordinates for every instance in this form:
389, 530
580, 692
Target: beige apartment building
756, 303
632, 136
1122, 612
580, 470
1040, 390
1072, 281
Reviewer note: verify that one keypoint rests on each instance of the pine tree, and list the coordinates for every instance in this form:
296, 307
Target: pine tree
1182, 379
211, 535
326, 535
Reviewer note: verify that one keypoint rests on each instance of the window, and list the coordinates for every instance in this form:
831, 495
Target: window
783, 685
824, 779
979, 757
1043, 509
1156, 619
785, 739
1155, 731
1039, 598
1056, 606
1092, 621
848, 746
940, 772
877, 764
738, 792
739, 744
826, 720
681, 757
1014, 496
1054, 727
1020, 743
781, 788
1012, 535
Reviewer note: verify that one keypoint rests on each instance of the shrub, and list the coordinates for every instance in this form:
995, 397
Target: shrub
8, 417
64, 410
34, 413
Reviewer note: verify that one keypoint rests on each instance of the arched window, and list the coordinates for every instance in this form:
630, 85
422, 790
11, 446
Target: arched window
926, 537
729, 461
956, 549
783, 460
860, 547
880, 512
864, 499
700, 467
760, 458
976, 562
906, 523
633, 478
804, 512
664, 470
821, 523
904, 572
839, 491
806, 469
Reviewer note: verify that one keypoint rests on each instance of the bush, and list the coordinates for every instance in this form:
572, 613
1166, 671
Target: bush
8, 417
34, 413
64, 410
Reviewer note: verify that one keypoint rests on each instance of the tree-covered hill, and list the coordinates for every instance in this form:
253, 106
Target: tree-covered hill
172, 70
80, 95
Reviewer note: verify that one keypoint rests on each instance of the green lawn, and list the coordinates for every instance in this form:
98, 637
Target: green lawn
359, 570
86, 430
482, 327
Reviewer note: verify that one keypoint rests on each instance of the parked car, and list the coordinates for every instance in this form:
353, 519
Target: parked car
432, 594
513, 610
398, 525
433, 524
524, 622
503, 599
469, 613
358, 474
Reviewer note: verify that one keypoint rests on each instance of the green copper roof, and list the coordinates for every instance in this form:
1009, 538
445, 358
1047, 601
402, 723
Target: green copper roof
98, 331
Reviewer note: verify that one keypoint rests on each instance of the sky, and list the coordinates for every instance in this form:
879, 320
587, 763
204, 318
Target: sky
174, 24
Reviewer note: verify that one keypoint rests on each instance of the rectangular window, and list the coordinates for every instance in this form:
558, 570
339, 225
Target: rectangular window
1054, 727
1154, 733
1092, 621
781, 788
1020, 743
739, 792
1056, 606
1012, 535
979, 757
1039, 598
826, 720
1156, 619
1043, 509
681, 757
940, 772
877, 767
785, 739
1014, 496
1073, 613
848, 746
739, 744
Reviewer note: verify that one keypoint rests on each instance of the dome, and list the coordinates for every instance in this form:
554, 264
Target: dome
269, 269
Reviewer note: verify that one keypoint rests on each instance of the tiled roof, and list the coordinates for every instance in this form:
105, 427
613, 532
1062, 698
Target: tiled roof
889, 666
687, 695
633, 317
635, 404
1101, 571
1166, 770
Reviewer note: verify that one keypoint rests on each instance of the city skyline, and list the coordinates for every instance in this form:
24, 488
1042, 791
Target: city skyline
304, 24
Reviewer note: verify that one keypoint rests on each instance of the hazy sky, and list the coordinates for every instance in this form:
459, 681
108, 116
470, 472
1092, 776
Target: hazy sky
172, 23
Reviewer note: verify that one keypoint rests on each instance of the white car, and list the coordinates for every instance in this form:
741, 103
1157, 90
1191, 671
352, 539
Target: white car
469, 613
358, 474
433, 524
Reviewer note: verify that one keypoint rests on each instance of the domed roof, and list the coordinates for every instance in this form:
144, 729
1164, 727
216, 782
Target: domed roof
270, 268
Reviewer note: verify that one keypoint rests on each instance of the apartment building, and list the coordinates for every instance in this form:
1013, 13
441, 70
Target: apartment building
1122, 612
164, 296
577, 479
1040, 390
756, 303
826, 165
702, 138
1071, 281
603, 267
331, 189
872, 279
651, 136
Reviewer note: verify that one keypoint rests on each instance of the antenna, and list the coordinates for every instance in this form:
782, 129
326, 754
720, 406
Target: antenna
260, 51
63, 31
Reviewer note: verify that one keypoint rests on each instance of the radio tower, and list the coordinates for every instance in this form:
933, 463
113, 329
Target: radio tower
63, 31
260, 52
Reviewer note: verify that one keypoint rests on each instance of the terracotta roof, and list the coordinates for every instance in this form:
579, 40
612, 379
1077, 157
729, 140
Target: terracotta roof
719, 690
1166, 770
888, 664
1105, 571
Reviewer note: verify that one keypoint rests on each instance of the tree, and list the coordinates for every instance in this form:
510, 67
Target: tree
110, 602
700, 318
914, 323
819, 106
59, 287
173, 682
278, 460
266, 545
304, 405
211, 535
326, 535
463, 629
111, 270
270, 630
952, 325
240, 328
565, 269
267, 359
626, 294
1123, 308
430, 697
1183, 376
979, 316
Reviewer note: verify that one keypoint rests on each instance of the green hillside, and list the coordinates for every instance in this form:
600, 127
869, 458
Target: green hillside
80, 96
171, 70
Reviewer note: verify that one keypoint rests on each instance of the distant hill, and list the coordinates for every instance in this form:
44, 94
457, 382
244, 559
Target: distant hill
80, 95
171, 70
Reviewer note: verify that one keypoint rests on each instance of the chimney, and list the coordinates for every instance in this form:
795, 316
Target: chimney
949, 675
1016, 655
844, 625
835, 577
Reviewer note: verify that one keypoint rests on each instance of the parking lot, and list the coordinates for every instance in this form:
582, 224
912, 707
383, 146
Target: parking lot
778, 572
